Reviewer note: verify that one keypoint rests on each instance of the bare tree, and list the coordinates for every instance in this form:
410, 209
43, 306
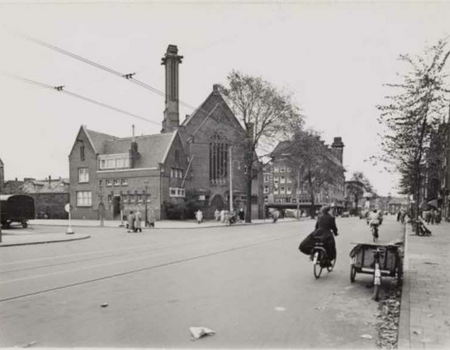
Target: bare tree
265, 113
358, 186
411, 115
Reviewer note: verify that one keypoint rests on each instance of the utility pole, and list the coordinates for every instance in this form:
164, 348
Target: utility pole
231, 181
146, 196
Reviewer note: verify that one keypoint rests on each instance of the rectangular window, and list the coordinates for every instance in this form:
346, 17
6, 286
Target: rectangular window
173, 192
282, 180
288, 169
276, 180
84, 198
266, 178
266, 189
139, 197
172, 173
100, 182
276, 169
176, 192
124, 182
82, 155
282, 169
289, 190
109, 182
83, 175
116, 182
289, 180
282, 190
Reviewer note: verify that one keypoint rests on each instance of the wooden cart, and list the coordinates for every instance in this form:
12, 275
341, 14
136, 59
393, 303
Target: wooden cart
378, 260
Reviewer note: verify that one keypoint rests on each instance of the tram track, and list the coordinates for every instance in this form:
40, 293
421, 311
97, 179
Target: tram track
195, 256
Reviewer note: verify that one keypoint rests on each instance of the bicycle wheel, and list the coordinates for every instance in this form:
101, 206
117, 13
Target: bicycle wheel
352, 273
317, 268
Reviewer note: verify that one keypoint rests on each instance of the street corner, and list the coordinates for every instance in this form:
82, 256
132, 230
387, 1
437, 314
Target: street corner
23, 239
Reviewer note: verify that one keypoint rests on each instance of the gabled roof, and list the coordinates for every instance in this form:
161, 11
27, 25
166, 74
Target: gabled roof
281, 148
47, 186
214, 101
98, 139
152, 148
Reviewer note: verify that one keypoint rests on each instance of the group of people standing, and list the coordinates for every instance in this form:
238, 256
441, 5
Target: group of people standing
134, 221
432, 216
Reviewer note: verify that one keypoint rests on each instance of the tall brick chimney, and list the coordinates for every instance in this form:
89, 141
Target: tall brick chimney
171, 60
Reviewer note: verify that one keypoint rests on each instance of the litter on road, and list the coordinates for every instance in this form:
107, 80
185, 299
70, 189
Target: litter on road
199, 332
280, 308
367, 336
105, 305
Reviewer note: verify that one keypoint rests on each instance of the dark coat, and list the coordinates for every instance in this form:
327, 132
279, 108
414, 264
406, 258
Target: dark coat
326, 224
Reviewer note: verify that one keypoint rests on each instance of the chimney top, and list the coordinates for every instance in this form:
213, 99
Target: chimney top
216, 88
337, 142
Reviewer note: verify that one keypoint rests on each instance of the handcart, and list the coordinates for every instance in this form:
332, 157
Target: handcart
378, 260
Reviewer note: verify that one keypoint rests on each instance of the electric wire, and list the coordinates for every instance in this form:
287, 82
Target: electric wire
128, 77
87, 99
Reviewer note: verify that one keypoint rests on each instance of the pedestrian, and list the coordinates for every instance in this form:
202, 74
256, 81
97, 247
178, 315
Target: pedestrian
199, 216
151, 219
222, 216
217, 215
138, 222
241, 214
275, 215
131, 222
399, 215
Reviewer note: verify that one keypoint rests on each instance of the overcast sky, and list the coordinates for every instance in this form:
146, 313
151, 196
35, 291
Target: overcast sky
335, 57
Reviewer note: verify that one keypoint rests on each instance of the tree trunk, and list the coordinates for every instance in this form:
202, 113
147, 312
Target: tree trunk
248, 209
311, 192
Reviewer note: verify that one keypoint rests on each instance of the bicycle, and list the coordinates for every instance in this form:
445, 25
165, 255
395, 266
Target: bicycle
378, 254
319, 258
374, 229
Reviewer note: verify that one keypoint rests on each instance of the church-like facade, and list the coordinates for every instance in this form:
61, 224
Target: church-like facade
190, 164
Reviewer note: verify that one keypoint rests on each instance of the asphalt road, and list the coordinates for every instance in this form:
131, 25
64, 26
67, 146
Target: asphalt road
249, 284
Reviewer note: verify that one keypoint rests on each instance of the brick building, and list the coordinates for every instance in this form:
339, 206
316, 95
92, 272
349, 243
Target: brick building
283, 188
188, 162
50, 196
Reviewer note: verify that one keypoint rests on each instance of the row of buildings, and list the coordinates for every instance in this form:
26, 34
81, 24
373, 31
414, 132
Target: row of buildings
195, 163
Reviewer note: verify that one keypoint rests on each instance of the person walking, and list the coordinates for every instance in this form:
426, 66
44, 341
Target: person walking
130, 222
217, 215
151, 219
199, 216
241, 214
138, 222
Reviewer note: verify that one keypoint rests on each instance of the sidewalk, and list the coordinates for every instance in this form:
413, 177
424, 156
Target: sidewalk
425, 306
27, 237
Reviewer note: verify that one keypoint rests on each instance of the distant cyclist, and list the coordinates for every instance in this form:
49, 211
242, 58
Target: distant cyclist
374, 223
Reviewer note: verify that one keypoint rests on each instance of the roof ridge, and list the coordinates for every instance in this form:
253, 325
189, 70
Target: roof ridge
101, 133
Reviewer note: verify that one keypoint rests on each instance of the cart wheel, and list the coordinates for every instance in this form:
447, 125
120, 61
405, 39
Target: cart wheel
376, 292
24, 224
352, 273
330, 268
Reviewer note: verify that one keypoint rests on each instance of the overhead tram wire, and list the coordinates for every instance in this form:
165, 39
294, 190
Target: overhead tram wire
128, 77
87, 99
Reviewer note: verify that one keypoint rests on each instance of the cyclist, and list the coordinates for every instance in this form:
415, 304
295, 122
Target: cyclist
374, 222
326, 229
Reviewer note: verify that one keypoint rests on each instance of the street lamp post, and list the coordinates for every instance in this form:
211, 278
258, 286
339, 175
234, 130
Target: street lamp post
231, 181
146, 196
298, 194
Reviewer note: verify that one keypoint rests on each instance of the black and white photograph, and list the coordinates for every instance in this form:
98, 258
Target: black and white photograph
220, 174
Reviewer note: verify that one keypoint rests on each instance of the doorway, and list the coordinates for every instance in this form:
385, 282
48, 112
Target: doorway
116, 207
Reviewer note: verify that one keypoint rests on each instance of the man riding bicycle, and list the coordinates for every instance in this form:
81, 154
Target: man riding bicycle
374, 222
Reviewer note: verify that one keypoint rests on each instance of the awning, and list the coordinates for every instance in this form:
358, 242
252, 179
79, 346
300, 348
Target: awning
433, 203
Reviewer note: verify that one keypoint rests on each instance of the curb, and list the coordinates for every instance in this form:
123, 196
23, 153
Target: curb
175, 228
404, 336
44, 242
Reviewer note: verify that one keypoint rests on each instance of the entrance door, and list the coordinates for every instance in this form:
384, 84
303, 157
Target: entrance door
217, 203
116, 207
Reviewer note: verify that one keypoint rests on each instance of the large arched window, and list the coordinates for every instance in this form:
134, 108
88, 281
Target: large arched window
218, 161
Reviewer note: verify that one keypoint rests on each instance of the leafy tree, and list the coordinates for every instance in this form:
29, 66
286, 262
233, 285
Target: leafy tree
265, 113
358, 186
420, 100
